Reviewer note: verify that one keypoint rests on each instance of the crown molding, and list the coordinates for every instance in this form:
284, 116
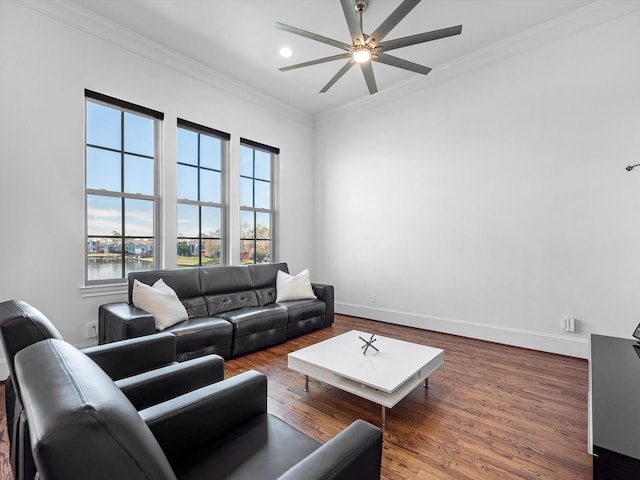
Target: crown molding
82, 19
584, 18
589, 16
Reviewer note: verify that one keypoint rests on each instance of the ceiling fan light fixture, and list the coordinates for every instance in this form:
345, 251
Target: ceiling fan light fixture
362, 55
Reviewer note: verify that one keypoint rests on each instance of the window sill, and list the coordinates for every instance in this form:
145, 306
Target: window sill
103, 290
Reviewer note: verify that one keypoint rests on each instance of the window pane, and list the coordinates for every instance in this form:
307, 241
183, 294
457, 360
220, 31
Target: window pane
138, 217
246, 251
246, 161
104, 258
103, 126
263, 251
138, 253
246, 224
210, 222
210, 151
187, 146
187, 182
138, 175
263, 194
104, 215
103, 170
188, 253
210, 252
263, 225
246, 192
209, 186
188, 222
263, 165
138, 134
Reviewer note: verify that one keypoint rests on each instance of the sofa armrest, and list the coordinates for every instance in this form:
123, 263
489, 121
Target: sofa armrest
194, 420
356, 452
121, 320
325, 293
165, 383
137, 355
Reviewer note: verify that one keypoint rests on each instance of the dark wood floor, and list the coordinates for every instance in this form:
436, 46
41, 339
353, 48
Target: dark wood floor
491, 412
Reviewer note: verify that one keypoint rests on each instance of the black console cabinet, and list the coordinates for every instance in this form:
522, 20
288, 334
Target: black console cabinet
614, 408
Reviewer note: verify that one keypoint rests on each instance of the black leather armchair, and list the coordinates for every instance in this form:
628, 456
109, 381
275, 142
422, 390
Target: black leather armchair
145, 369
83, 427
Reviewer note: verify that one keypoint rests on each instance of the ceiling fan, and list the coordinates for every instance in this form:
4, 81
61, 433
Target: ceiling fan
364, 48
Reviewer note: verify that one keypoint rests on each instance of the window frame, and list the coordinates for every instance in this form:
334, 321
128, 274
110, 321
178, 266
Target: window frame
124, 107
274, 153
222, 204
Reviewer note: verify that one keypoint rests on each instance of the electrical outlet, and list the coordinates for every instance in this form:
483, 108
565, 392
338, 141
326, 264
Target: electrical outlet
92, 330
568, 323
372, 297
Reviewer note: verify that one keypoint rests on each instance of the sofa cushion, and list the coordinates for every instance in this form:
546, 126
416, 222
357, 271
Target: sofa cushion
266, 295
160, 301
224, 279
264, 274
304, 316
263, 278
196, 307
257, 327
200, 336
265, 447
230, 301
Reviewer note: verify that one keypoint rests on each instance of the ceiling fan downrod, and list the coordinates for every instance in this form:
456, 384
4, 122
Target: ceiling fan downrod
360, 6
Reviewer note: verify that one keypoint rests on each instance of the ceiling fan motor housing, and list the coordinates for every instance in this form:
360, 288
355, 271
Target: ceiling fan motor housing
361, 5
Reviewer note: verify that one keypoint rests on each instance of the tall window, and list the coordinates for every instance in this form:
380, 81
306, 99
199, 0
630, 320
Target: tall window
121, 157
201, 161
257, 210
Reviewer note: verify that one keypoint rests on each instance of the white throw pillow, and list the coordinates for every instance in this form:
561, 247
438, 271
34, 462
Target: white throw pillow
161, 301
289, 287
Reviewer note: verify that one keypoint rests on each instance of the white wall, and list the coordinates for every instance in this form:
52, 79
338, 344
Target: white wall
487, 203
45, 65
493, 201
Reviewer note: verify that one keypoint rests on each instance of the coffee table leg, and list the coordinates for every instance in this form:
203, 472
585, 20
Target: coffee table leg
306, 383
384, 416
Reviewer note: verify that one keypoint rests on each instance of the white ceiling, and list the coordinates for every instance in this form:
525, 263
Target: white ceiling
238, 38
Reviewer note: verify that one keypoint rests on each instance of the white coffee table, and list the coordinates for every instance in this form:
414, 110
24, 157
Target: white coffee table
385, 376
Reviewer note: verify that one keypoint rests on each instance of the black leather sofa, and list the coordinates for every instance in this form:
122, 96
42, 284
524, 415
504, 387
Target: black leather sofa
83, 427
145, 369
232, 310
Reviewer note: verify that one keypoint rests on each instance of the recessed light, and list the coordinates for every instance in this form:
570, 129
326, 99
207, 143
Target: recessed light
285, 52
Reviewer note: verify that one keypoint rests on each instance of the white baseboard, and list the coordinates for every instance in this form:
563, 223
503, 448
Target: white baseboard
545, 342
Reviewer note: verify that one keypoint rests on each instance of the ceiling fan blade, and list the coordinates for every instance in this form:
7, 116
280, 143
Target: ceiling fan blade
315, 62
401, 63
367, 70
392, 20
312, 36
337, 76
352, 22
421, 38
